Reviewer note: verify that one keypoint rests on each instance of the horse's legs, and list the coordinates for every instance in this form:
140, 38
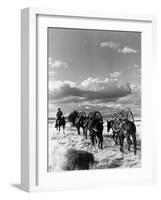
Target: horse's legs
129, 142
85, 132
95, 140
115, 138
134, 141
101, 142
92, 139
78, 130
121, 138
101, 146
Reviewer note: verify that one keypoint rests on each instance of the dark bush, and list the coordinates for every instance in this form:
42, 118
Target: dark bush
78, 160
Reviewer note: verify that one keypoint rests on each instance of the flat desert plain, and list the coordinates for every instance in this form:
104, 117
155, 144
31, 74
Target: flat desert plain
109, 157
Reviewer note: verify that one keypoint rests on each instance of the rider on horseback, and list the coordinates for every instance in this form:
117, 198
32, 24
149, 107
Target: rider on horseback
59, 114
60, 120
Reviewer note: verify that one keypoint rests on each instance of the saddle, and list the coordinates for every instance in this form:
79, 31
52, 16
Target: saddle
81, 115
94, 116
119, 118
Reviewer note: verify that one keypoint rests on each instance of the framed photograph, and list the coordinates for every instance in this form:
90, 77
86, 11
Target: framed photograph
86, 108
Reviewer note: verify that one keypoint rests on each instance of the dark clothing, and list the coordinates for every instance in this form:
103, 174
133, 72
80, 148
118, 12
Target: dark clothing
59, 114
60, 119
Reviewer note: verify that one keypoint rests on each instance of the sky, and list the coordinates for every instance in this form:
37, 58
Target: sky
93, 70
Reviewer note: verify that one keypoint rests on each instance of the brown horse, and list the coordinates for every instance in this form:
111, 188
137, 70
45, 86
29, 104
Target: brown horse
128, 131
81, 122
95, 132
114, 133
95, 127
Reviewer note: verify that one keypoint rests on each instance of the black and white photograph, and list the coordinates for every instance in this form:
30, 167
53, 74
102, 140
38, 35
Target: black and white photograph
94, 99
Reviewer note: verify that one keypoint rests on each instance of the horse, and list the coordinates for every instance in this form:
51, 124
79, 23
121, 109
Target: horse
60, 122
95, 127
114, 133
128, 131
81, 122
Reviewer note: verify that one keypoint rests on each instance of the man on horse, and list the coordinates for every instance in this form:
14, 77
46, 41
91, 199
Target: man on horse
59, 114
60, 119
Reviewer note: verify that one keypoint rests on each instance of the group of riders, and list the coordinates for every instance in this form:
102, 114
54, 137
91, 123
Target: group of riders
122, 126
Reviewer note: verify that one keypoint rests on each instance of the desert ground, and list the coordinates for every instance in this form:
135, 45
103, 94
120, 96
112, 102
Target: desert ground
109, 157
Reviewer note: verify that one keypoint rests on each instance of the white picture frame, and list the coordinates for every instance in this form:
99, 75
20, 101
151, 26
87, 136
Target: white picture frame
34, 22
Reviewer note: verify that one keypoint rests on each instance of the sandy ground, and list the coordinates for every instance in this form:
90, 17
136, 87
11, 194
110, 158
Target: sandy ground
109, 157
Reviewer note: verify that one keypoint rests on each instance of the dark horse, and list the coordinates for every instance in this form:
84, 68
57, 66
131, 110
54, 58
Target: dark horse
81, 122
127, 130
95, 127
60, 122
114, 133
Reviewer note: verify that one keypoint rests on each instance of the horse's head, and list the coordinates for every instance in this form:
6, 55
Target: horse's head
109, 125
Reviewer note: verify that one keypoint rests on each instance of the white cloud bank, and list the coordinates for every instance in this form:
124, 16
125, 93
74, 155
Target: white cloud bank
90, 89
110, 44
127, 50
115, 74
57, 64
116, 46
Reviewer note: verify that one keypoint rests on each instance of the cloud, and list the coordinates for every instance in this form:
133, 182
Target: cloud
115, 74
56, 85
110, 44
57, 64
91, 89
51, 75
136, 69
115, 95
136, 66
50, 60
94, 84
127, 50
134, 98
116, 46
